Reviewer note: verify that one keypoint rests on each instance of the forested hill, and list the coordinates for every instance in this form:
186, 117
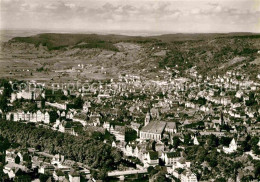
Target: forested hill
210, 53
92, 152
57, 41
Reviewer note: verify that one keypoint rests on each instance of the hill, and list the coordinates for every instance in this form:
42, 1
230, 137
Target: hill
106, 56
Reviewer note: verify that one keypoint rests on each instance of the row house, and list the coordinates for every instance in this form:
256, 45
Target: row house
30, 117
28, 95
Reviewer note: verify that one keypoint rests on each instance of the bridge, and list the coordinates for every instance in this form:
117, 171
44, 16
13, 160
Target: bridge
125, 173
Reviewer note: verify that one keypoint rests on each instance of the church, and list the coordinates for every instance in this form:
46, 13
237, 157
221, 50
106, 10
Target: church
152, 130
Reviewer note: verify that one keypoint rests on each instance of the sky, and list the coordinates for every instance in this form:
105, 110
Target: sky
182, 16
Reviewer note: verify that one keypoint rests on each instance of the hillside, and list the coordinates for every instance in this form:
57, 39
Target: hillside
105, 56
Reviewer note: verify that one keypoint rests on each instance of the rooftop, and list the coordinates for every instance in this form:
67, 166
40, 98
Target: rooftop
155, 127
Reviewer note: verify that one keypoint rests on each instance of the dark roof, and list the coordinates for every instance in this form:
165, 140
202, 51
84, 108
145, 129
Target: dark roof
153, 155
60, 173
173, 154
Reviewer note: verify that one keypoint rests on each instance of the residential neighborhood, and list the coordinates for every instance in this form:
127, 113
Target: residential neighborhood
173, 130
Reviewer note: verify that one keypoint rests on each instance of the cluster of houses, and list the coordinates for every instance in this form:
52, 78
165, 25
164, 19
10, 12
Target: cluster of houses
158, 110
30, 161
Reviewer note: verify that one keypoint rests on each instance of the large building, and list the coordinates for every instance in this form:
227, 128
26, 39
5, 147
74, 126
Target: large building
153, 131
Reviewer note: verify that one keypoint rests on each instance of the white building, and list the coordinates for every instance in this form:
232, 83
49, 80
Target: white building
232, 147
170, 158
195, 141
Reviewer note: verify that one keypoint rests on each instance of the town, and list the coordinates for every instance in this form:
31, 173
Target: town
176, 127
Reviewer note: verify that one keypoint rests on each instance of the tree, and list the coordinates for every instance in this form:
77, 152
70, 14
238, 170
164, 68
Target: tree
3, 103
187, 139
17, 160
43, 177
213, 141
176, 142
78, 103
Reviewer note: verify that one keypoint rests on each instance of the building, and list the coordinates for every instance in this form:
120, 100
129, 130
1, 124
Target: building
171, 127
170, 158
46, 169
74, 176
136, 126
58, 175
195, 141
153, 131
188, 176
232, 147
151, 158
119, 132
147, 119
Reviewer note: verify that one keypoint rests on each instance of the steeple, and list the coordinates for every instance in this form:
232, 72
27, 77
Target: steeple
147, 119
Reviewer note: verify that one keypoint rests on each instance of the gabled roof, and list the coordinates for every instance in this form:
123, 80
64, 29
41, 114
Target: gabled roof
153, 155
173, 154
155, 127
60, 173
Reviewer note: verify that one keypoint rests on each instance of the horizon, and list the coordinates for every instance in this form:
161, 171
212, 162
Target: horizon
119, 32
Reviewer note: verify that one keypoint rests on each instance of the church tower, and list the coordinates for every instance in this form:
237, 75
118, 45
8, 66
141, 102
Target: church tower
147, 119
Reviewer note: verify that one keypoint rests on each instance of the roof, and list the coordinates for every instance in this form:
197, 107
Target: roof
171, 125
188, 173
60, 173
153, 155
173, 154
74, 173
154, 127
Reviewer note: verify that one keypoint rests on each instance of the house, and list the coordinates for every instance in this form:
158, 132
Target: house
10, 155
239, 94
159, 147
86, 107
119, 132
46, 169
151, 159
171, 127
188, 176
74, 176
136, 126
153, 131
232, 147
58, 175
94, 119
181, 163
46, 119
170, 158
57, 159
23, 94
12, 169
129, 150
